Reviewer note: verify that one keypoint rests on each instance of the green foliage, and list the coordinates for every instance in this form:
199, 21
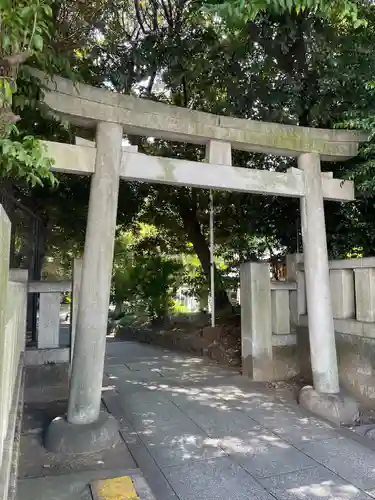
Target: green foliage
239, 12
24, 159
143, 275
23, 29
301, 62
24, 26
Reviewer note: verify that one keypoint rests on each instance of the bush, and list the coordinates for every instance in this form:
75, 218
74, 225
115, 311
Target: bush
149, 282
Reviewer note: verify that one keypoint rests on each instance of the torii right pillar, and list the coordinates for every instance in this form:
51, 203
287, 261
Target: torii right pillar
324, 398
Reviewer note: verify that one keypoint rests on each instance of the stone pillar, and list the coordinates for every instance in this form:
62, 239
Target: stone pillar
49, 320
297, 297
324, 398
318, 292
342, 290
280, 312
365, 294
256, 324
86, 429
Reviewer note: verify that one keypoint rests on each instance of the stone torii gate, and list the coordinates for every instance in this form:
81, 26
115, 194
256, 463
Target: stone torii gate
85, 428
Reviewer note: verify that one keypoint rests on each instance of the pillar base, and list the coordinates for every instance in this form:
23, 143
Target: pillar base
339, 409
64, 437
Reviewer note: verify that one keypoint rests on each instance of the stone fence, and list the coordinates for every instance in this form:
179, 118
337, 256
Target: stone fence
55, 337
275, 342
353, 303
13, 301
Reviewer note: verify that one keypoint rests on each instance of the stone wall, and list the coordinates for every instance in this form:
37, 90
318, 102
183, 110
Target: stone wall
356, 364
13, 299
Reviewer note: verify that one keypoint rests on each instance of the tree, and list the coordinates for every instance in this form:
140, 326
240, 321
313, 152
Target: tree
238, 12
302, 66
144, 275
308, 66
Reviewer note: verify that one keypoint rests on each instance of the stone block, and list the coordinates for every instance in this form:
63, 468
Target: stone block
342, 410
45, 356
342, 293
64, 437
219, 153
256, 324
365, 294
280, 312
49, 320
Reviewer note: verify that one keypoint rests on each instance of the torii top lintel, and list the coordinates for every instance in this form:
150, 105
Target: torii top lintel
85, 106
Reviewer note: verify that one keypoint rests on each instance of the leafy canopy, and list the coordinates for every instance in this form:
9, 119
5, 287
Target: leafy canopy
242, 11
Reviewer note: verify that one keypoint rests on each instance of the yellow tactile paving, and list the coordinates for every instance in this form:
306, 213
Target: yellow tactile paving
118, 488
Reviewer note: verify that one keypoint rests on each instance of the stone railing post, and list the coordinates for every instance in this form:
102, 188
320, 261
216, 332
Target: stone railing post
342, 291
298, 296
49, 320
256, 323
365, 294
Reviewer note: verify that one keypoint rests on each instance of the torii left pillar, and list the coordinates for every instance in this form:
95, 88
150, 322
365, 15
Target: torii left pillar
86, 428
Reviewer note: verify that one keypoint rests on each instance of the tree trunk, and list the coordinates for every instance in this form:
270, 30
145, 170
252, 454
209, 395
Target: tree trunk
200, 245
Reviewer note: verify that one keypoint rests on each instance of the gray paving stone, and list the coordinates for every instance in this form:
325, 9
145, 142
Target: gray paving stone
113, 405
219, 479
291, 424
201, 432
152, 473
129, 351
301, 432
312, 484
217, 420
159, 414
177, 444
191, 367
271, 460
188, 395
350, 460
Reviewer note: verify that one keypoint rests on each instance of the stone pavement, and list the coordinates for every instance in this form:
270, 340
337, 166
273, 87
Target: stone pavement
199, 431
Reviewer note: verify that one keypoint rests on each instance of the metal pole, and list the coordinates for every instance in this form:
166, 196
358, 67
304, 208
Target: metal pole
212, 255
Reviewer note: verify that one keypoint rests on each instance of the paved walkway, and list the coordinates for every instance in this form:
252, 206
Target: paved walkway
201, 432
